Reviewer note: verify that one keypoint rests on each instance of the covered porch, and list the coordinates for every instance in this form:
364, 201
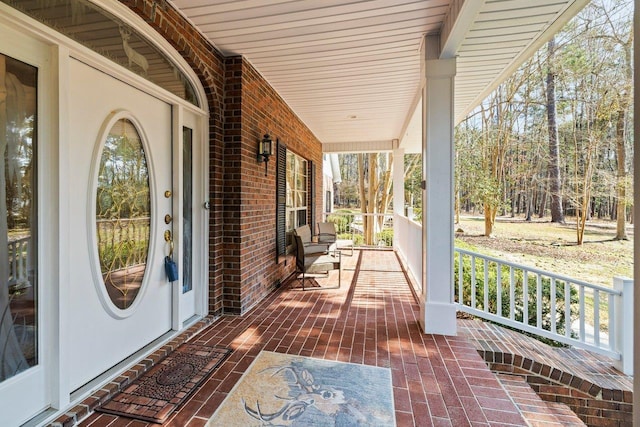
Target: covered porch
342, 76
436, 380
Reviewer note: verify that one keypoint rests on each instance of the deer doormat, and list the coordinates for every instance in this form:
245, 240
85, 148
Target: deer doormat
161, 390
287, 390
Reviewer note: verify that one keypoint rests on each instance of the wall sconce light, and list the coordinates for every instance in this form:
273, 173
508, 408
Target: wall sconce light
265, 150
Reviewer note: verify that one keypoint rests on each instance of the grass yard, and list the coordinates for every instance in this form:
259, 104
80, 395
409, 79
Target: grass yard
552, 247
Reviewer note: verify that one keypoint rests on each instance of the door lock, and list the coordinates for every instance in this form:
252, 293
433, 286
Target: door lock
168, 238
167, 194
167, 219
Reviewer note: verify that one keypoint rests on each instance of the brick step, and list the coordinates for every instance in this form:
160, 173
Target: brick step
536, 411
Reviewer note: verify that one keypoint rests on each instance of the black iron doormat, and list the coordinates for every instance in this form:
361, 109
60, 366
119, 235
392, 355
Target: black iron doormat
158, 392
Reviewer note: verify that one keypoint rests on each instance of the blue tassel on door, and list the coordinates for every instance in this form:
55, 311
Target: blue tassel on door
171, 268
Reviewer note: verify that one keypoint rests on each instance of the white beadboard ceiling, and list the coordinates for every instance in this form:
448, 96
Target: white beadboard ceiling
350, 69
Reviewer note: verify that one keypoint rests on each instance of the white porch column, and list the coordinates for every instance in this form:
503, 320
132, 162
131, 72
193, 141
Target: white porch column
437, 311
398, 191
636, 212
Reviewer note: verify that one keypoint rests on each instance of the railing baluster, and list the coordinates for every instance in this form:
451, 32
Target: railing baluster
611, 323
460, 278
19, 262
596, 317
539, 301
567, 309
512, 294
14, 263
473, 281
12, 255
499, 289
525, 297
486, 286
25, 260
552, 314
581, 314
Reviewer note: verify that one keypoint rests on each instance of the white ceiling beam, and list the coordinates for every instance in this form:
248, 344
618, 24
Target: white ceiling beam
358, 147
458, 21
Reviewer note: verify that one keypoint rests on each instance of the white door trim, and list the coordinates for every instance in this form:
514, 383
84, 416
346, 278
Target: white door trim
196, 302
19, 45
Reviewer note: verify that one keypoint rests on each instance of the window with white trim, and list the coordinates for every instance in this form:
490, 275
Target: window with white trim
297, 186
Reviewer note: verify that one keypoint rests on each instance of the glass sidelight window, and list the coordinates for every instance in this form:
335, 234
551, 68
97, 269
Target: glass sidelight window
123, 213
187, 209
18, 218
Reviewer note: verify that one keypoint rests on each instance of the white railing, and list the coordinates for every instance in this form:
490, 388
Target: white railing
126, 239
546, 304
353, 226
19, 261
408, 244
585, 315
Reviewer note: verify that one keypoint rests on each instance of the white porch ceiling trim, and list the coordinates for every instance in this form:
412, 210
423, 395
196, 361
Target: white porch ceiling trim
350, 69
359, 146
456, 25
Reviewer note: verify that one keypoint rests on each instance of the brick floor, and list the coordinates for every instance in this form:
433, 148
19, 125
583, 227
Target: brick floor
372, 319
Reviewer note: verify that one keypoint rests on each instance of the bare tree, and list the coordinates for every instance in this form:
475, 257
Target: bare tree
623, 102
557, 214
375, 185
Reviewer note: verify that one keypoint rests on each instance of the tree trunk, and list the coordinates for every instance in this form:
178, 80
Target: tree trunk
621, 178
364, 200
527, 215
543, 202
456, 208
621, 153
554, 147
584, 196
386, 193
369, 220
489, 220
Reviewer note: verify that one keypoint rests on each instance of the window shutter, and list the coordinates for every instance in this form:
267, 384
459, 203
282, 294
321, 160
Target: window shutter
312, 196
281, 199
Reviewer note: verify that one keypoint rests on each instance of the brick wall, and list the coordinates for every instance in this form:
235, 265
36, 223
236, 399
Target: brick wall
242, 260
594, 405
253, 108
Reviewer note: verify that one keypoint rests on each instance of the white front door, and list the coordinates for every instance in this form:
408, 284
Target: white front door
120, 205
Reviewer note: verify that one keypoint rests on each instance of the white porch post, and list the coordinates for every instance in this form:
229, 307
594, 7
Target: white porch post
636, 212
398, 191
437, 311
623, 324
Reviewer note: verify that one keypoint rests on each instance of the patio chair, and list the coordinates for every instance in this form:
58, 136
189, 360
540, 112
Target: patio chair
310, 246
327, 234
316, 263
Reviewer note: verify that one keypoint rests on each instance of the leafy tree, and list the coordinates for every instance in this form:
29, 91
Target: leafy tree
556, 137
